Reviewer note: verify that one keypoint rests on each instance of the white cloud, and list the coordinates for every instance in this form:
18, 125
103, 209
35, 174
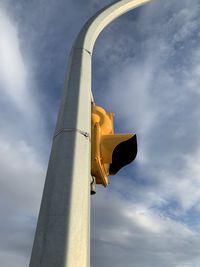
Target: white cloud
133, 233
144, 219
22, 114
13, 72
184, 186
22, 178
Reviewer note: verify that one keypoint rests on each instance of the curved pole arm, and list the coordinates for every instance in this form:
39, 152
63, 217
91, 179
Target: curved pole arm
78, 78
93, 27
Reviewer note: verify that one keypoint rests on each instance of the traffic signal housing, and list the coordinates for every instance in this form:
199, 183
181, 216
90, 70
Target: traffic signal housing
109, 151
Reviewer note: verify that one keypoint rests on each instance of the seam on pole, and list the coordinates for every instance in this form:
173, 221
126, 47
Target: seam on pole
82, 48
87, 51
64, 130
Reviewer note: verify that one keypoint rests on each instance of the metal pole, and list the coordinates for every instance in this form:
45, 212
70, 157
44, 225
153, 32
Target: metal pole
62, 237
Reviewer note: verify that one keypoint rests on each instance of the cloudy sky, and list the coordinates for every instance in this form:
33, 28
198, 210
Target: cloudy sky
146, 69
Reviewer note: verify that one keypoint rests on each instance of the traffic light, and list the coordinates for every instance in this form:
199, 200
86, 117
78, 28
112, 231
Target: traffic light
109, 151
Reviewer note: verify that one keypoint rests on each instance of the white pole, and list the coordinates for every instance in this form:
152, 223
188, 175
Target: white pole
62, 237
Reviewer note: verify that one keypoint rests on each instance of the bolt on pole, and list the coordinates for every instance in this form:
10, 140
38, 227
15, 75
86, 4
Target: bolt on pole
62, 237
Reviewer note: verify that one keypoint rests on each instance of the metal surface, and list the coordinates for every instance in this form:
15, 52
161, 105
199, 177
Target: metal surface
62, 237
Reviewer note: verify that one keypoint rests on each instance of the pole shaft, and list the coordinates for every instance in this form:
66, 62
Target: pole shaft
62, 234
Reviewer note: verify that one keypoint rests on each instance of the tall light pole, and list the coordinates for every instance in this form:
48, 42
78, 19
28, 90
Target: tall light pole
62, 237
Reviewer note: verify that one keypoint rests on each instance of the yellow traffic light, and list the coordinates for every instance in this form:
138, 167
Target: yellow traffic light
109, 151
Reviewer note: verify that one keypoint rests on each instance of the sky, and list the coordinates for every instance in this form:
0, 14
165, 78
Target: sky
146, 69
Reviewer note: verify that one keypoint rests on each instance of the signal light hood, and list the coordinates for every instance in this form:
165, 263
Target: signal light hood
123, 154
